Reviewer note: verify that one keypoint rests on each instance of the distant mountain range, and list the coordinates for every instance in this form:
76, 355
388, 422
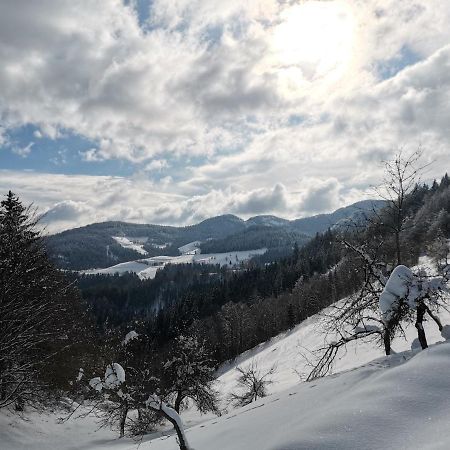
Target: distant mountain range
103, 244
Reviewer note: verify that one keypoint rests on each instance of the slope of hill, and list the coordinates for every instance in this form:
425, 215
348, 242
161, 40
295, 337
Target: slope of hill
395, 402
105, 244
321, 222
398, 402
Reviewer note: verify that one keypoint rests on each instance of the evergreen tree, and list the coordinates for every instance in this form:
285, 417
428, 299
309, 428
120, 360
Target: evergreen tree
38, 310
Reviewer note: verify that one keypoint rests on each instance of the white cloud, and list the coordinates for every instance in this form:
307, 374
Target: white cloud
91, 155
157, 165
22, 151
100, 198
277, 121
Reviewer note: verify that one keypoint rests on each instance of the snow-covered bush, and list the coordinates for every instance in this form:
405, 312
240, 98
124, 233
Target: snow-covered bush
405, 292
252, 384
113, 387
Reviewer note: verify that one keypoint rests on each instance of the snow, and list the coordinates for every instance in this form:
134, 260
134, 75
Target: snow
42, 431
155, 402
190, 249
404, 284
136, 244
80, 374
129, 337
96, 383
395, 402
114, 376
396, 288
147, 268
371, 401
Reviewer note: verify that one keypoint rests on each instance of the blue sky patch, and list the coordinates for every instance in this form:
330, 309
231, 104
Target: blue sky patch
391, 67
25, 151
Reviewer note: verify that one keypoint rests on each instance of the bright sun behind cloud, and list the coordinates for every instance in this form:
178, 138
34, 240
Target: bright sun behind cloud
314, 41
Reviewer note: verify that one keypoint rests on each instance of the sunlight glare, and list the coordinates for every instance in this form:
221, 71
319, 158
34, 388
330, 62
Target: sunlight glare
314, 39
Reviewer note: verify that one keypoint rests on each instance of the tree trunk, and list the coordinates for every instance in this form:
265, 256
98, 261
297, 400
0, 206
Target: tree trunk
397, 247
387, 341
182, 442
178, 401
419, 325
434, 317
123, 419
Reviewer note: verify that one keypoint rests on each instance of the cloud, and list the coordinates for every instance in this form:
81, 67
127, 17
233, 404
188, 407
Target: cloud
100, 198
261, 201
66, 212
204, 94
91, 155
205, 75
4, 140
22, 151
322, 195
157, 165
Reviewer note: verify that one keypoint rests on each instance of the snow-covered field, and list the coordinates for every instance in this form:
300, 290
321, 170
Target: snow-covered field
147, 268
371, 401
136, 244
191, 248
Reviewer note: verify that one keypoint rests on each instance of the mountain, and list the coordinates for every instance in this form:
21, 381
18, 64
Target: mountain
101, 245
271, 221
321, 222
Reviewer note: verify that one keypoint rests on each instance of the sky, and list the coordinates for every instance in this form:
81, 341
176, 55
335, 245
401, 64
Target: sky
172, 111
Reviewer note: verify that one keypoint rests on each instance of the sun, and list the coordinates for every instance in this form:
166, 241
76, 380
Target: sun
314, 40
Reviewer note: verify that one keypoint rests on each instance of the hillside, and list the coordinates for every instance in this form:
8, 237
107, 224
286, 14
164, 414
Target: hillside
372, 401
399, 402
102, 245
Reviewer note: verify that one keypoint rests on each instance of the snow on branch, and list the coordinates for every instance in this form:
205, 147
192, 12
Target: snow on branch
404, 287
114, 382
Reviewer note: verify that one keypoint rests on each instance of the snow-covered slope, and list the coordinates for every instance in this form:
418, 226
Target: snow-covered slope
291, 352
396, 402
136, 244
190, 248
147, 268
371, 402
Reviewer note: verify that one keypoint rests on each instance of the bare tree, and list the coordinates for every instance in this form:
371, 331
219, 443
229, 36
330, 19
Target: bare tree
401, 177
355, 317
359, 316
252, 384
189, 373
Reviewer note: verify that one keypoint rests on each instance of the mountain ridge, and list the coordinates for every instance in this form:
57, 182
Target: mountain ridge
94, 246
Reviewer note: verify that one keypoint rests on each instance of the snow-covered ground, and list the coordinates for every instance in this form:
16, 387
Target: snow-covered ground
147, 268
136, 244
191, 248
396, 402
371, 401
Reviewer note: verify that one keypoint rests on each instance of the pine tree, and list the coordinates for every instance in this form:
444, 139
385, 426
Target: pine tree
38, 308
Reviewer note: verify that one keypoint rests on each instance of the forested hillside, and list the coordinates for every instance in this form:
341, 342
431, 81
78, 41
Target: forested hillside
97, 246
235, 310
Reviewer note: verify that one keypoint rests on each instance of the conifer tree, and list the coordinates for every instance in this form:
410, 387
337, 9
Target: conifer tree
38, 310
